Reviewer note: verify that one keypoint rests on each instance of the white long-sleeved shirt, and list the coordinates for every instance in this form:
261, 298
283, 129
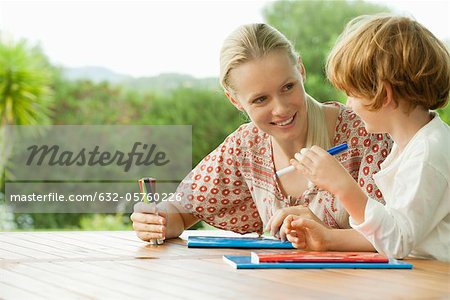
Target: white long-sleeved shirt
415, 184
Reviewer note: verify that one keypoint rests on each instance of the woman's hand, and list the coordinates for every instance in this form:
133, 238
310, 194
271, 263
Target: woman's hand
307, 234
147, 224
276, 224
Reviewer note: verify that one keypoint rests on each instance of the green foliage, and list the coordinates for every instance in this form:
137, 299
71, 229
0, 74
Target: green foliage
84, 102
105, 222
6, 216
313, 27
25, 94
25, 90
168, 82
444, 113
45, 221
209, 112
25, 79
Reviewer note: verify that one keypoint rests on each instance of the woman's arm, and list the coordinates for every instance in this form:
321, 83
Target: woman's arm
177, 220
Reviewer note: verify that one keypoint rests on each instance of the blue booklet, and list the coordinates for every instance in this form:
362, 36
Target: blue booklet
244, 262
236, 242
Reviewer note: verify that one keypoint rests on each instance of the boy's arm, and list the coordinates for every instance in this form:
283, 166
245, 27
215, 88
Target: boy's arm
348, 240
352, 198
327, 173
312, 236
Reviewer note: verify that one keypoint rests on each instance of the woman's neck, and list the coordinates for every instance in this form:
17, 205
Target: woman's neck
288, 147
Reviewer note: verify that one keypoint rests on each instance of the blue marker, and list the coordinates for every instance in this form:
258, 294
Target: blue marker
333, 151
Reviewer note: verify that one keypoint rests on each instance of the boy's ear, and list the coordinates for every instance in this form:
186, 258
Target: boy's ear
234, 101
388, 100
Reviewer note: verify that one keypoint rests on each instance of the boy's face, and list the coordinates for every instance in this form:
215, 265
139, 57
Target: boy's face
373, 120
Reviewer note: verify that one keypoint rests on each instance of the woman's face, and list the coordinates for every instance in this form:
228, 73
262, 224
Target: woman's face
270, 90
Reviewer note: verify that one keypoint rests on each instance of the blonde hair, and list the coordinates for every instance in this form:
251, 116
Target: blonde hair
379, 49
254, 41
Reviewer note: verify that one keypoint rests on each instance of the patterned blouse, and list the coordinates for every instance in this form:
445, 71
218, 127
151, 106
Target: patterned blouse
234, 188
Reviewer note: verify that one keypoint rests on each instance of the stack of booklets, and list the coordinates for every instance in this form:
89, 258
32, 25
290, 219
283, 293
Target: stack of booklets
237, 242
314, 260
292, 259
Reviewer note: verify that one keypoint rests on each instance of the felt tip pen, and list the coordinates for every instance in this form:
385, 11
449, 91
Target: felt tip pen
333, 151
148, 188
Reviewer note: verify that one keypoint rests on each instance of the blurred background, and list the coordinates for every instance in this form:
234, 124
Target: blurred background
153, 63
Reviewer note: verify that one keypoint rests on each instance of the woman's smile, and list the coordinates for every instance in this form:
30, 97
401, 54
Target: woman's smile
286, 122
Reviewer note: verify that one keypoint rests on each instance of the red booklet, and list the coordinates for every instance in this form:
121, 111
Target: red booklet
312, 256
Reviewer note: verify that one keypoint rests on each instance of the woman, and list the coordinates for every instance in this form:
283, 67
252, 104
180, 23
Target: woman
234, 187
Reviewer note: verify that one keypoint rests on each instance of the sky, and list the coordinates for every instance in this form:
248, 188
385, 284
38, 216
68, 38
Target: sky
147, 38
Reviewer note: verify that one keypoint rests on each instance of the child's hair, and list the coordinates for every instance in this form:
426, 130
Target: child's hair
396, 50
255, 41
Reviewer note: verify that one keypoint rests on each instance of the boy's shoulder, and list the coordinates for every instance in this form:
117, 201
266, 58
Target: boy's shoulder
434, 136
431, 145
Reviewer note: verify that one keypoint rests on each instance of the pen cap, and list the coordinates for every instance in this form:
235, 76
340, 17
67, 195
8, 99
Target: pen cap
337, 149
147, 185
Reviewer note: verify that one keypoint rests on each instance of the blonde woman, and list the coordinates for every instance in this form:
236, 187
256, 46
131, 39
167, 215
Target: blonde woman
234, 187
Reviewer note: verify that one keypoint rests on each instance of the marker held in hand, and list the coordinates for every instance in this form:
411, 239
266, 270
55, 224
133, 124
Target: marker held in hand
333, 151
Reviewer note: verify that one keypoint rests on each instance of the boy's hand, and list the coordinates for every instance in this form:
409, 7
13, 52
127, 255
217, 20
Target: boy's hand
323, 169
307, 234
276, 224
147, 224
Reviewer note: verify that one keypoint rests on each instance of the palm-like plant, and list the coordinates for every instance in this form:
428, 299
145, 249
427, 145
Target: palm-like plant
25, 79
25, 90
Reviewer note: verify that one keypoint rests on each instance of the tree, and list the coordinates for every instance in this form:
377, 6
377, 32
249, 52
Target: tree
25, 89
25, 94
25, 85
444, 113
313, 27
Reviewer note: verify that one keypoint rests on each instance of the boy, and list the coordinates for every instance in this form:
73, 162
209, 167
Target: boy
394, 72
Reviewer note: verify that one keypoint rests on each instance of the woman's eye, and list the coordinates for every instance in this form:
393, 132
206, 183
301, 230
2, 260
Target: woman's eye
259, 100
288, 86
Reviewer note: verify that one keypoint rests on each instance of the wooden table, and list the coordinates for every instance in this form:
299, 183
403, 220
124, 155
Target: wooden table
117, 265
